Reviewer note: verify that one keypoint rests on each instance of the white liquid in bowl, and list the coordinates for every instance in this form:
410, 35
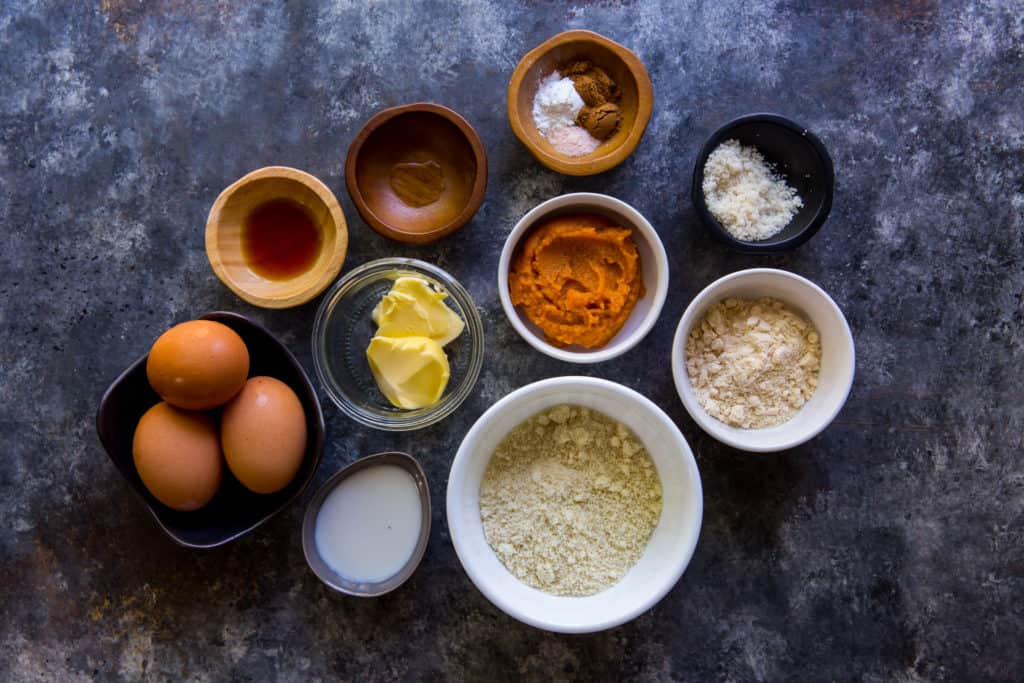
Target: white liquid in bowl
368, 526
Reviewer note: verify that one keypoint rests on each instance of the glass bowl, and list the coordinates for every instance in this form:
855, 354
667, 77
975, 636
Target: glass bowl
344, 327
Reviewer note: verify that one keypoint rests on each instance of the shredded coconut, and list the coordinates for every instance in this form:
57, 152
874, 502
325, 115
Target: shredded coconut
745, 194
569, 501
753, 363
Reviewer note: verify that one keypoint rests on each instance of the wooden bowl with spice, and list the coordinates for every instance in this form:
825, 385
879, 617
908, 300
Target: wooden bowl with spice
417, 172
276, 237
580, 102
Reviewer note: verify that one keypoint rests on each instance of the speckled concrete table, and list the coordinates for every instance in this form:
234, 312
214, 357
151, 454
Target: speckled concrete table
888, 548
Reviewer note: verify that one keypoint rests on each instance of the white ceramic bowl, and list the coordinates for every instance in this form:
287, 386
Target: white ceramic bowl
667, 553
653, 266
837, 357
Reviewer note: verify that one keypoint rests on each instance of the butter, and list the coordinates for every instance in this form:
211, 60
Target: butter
415, 309
412, 372
406, 355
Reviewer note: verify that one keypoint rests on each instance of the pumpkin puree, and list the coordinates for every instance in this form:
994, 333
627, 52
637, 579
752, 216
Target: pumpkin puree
577, 278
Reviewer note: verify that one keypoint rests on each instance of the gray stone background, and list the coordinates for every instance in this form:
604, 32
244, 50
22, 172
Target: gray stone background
888, 548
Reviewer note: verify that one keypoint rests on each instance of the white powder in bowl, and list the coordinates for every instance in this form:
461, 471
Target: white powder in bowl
745, 194
573, 141
555, 108
556, 104
569, 501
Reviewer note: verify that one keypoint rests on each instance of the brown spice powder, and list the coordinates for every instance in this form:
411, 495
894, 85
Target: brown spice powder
600, 94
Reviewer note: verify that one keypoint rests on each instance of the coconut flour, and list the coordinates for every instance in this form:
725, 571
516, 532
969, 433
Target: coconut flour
569, 500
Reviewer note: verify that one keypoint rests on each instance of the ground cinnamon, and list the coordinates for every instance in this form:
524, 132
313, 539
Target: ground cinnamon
600, 94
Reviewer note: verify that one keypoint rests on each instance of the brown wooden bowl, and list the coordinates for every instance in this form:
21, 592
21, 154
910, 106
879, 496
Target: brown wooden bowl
224, 236
417, 172
621, 64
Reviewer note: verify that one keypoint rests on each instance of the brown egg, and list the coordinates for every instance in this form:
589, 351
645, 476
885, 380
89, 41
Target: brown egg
198, 364
263, 434
177, 455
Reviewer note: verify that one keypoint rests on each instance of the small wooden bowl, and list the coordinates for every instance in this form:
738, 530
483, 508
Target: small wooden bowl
224, 236
621, 64
416, 173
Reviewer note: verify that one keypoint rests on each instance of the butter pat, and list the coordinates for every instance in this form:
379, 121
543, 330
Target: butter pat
412, 372
415, 309
406, 355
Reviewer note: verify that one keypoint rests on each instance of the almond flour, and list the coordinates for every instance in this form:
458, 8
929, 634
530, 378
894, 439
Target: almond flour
753, 363
569, 500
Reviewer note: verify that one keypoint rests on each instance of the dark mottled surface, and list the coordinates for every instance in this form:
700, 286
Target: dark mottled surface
888, 548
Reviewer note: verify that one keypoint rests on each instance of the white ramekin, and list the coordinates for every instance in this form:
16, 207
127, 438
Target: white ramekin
837, 357
667, 554
653, 265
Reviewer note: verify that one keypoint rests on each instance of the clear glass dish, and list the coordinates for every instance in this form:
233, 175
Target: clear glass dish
344, 327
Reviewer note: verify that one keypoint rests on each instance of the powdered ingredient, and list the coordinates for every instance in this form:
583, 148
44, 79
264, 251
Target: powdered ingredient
556, 103
745, 194
593, 83
601, 121
753, 363
576, 108
601, 115
555, 109
569, 501
573, 141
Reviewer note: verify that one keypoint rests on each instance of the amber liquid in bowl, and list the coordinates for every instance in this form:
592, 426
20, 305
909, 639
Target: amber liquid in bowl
280, 240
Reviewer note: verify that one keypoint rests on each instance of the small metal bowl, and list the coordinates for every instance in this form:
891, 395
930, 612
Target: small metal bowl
335, 580
797, 155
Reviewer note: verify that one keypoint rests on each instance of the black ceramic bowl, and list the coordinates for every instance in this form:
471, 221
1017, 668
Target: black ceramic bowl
797, 155
234, 510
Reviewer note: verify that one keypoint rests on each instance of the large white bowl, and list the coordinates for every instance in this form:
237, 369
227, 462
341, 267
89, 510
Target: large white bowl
653, 270
837, 357
671, 545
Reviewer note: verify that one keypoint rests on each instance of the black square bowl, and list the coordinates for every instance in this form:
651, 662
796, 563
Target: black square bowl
797, 155
234, 510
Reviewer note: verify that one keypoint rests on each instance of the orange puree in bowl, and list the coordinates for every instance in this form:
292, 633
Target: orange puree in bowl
577, 278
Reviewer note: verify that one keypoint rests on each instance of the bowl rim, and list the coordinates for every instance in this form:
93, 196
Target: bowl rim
647, 233
428, 416
395, 232
717, 229
590, 165
710, 425
465, 453
106, 438
319, 566
328, 271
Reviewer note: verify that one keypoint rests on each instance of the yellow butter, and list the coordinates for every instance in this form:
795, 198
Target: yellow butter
406, 355
412, 372
415, 309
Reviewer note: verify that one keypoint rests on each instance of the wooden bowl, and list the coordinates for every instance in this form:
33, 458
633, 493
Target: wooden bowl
621, 64
224, 236
416, 173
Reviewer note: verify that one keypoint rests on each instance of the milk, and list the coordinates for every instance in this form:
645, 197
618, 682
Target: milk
368, 526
